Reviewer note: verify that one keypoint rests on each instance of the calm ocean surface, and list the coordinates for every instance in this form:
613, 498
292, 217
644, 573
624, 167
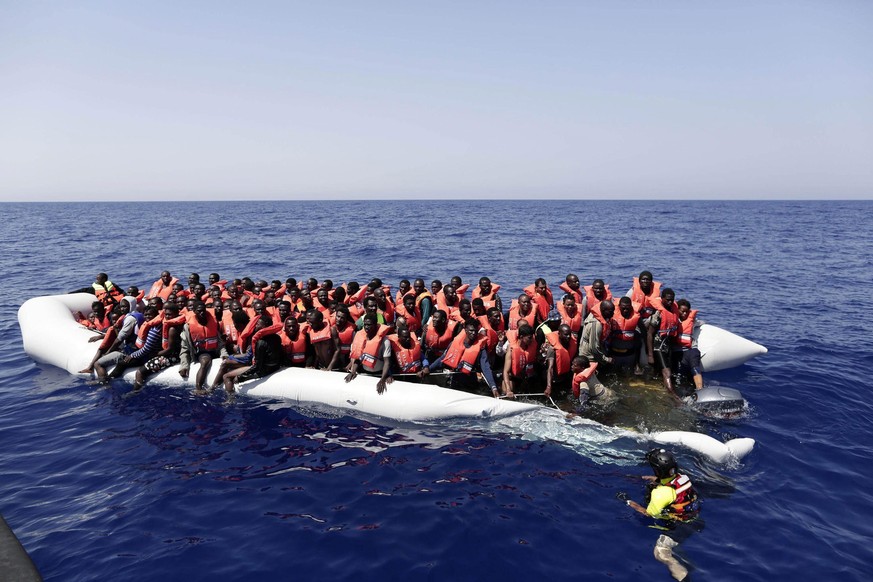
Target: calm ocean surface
168, 486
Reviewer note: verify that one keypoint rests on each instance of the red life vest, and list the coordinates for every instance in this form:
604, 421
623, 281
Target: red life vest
583, 376
295, 349
489, 300
160, 290
453, 311
577, 295
408, 359
346, 336
145, 327
515, 316
413, 320
624, 329
575, 322
684, 505
523, 360
461, 358
542, 303
562, 355
108, 294
686, 335
367, 349
591, 300
669, 319
645, 301
435, 342
228, 328
318, 336
204, 336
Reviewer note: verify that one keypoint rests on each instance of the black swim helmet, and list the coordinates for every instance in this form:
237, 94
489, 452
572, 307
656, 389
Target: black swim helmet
662, 462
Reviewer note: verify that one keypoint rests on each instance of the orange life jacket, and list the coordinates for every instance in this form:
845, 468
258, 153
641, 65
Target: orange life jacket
318, 336
542, 303
669, 319
413, 320
562, 355
490, 300
624, 329
591, 300
686, 335
577, 295
645, 301
408, 359
108, 294
436, 342
346, 336
461, 358
160, 290
367, 349
295, 349
575, 322
583, 376
515, 316
204, 336
523, 360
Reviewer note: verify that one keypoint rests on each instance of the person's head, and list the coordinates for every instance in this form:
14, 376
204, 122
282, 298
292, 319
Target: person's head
524, 304
166, 277
607, 309
404, 336
171, 310
123, 307
625, 307
440, 319
540, 286
449, 293
235, 306
258, 306
485, 286
156, 302
375, 283
311, 284
101, 278
579, 363
315, 318
151, 312
456, 282
525, 335
284, 309
178, 287
404, 286
132, 291
598, 288
98, 308
564, 333
293, 294
248, 284
342, 316
240, 319
569, 303
663, 463
292, 326
193, 279
275, 285
264, 321
322, 295
684, 307
214, 278
379, 295
495, 318
353, 287
339, 294
435, 286
409, 303
572, 281
646, 279
667, 297
478, 307
199, 290
471, 329
199, 309
327, 284
371, 306
370, 324
465, 308
418, 286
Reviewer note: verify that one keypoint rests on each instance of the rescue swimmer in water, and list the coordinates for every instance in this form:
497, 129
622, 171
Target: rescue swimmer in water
537, 346
671, 500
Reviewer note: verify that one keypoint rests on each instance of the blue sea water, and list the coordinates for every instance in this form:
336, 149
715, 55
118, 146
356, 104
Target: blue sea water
174, 487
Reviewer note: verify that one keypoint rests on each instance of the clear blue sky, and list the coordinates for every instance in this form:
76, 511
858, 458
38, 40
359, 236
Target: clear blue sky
310, 100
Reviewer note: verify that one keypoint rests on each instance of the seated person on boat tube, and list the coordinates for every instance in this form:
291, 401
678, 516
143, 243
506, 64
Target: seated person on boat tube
467, 354
371, 352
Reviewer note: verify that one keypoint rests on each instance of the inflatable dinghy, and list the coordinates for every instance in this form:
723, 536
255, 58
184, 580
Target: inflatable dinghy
52, 336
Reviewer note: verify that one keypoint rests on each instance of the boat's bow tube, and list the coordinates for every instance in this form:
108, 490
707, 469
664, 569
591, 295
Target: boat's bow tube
716, 450
721, 349
51, 334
